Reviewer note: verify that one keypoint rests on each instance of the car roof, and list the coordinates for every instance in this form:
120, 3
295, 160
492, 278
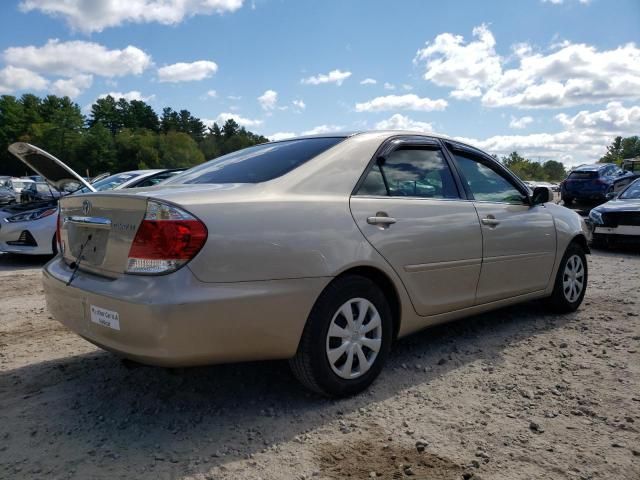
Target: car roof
591, 168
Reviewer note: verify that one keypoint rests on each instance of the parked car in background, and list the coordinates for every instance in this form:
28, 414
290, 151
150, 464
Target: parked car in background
30, 229
7, 196
17, 185
618, 220
594, 182
37, 192
319, 249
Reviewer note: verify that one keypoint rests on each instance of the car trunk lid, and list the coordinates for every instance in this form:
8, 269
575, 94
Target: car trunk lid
96, 232
99, 228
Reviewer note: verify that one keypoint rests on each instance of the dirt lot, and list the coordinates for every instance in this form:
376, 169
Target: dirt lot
513, 394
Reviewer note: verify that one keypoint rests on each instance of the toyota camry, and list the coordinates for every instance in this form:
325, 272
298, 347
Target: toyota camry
321, 250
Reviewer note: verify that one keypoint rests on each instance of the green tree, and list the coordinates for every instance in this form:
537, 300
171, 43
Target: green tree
554, 171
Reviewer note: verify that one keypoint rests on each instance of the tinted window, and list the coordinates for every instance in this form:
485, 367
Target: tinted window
155, 179
110, 182
486, 184
257, 164
583, 175
411, 172
632, 191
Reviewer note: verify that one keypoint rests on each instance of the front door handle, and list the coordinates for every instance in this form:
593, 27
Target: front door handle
381, 220
490, 221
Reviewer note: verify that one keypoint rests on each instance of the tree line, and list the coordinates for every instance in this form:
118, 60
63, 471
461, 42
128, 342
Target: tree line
549, 171
117, 135
622, 148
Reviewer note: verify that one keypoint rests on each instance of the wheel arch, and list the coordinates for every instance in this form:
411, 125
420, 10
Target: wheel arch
384, 282
581, 240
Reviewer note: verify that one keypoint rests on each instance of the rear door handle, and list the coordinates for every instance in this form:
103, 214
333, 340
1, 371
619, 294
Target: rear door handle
491, 221
381, 221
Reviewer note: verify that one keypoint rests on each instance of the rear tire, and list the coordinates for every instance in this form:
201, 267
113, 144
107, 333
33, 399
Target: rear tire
567, 200
571, 281
346, 340
54, 246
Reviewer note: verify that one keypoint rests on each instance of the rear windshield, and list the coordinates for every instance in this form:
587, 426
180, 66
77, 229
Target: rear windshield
257, 164
583, 175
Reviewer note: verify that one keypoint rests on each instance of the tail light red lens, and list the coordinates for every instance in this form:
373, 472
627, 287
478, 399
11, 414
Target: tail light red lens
167, 238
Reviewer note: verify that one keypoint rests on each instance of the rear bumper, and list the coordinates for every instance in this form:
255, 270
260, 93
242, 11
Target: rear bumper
176, 320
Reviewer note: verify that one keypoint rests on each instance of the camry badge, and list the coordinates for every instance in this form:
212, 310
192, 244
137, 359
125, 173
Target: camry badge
86, 207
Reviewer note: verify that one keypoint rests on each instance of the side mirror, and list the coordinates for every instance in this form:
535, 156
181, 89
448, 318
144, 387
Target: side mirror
541, 195
611, 195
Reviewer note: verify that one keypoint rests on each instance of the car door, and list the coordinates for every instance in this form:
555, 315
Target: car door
408, 205
518, 240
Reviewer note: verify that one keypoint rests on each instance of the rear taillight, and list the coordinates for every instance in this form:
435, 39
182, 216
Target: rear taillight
167, 238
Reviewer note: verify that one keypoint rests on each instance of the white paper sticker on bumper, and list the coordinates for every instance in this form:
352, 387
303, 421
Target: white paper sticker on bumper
104, 317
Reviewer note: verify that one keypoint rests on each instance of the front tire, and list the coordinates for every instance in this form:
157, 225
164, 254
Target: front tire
571, 281
346, 340
567, 200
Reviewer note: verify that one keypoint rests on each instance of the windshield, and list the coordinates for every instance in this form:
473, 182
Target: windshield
257, 164
111, 182
19, 184
632, 191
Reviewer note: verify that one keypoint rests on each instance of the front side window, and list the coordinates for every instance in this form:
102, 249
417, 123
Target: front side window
259, 163
411, 172
486, 184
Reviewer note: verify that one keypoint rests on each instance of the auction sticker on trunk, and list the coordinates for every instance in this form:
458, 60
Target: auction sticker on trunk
104, 317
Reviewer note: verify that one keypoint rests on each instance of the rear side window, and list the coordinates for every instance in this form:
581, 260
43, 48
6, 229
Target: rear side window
411, 172
257, 164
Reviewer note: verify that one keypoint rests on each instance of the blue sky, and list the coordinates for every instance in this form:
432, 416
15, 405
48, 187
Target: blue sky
551, 79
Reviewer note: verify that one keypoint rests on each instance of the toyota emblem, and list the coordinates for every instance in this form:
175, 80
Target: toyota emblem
86, 207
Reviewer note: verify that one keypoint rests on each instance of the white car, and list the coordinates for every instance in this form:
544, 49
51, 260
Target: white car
32, 231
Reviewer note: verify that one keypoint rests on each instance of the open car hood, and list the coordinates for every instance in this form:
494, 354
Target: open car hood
55, 172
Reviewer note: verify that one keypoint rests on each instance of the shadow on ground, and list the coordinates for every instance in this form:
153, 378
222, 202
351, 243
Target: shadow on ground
10, 261
101, 415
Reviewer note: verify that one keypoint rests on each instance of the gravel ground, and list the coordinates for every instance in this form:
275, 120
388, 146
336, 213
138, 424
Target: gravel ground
516, 393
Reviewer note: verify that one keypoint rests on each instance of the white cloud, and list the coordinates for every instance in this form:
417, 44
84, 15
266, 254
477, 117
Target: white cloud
187, 72
520, 122
234, 97
223, 117
71, 87
212, 93
129, 96
565, 75
572, 75
268, 100
409, 101
281, 136
92, 16
72, 58
334, 76
368, 81
465, 67
583, 140
407, 87
14, 78
389, 86
299, 104
401, 122
320, 129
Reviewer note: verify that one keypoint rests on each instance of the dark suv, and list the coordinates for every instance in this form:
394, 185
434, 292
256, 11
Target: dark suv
594, 182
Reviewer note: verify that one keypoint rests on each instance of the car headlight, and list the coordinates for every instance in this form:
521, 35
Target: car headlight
596, 217
31, 215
